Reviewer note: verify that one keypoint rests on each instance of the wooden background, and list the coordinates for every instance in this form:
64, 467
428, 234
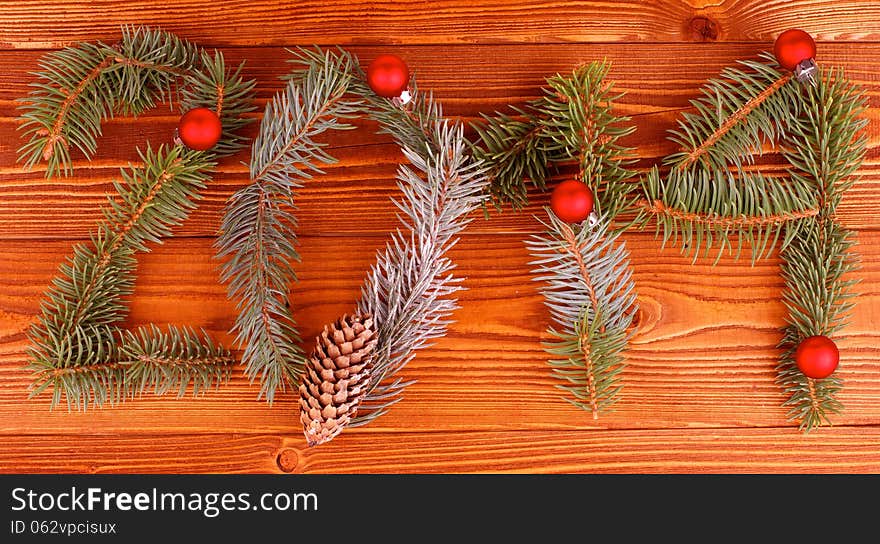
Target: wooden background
699, 389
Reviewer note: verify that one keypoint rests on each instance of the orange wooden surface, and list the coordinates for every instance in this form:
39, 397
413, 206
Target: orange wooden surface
699, 393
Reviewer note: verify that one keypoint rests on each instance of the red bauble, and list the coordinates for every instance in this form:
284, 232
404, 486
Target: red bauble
817, 357
571, 201
793, 47
388, 76
200, 129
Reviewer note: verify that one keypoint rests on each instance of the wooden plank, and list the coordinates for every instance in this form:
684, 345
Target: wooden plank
25, 24
713, 451
703, 357
364, 177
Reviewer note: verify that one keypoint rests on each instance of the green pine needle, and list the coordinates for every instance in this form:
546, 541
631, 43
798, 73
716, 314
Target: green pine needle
826, 147
574, 120
257, 239
77, 349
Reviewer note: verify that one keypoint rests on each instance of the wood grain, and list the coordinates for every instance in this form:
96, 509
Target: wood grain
24, 24
364, 176
704, 355
699, 393
651, 452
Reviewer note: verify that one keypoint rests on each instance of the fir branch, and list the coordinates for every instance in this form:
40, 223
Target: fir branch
141, 360
408, 290
513, 150
172, 361
82, 86
574, 119
410, 124
818, 299
705, 209
77, 349
225, 91
659, 208
257, 236
580, 124
77, 326
709, 196
732, 121
826, 146
591, 297
736, 115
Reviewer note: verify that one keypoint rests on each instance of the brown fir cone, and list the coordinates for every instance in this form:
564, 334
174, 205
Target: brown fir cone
336, 377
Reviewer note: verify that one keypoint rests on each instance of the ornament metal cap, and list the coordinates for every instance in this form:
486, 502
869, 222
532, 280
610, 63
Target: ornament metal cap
403, 99
806, 70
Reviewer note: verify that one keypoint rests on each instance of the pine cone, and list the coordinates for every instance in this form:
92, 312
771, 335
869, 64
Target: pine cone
336, 377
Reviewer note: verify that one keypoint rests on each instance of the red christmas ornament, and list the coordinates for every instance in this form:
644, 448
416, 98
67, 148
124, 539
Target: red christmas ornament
200, 129
817, 357
572, 201
388, 76
793, 47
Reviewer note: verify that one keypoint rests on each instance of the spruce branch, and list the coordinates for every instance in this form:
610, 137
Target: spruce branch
410, 288
735, 116
411, 124
512, 149
709, 194
225, 91
731, 122
659, 208
580, 124
704, 209
77, 349
591, 297
589, 292
82, 86
817, 298
574, 119
78, 324
257, 239
826, 146
406, 288
129, 363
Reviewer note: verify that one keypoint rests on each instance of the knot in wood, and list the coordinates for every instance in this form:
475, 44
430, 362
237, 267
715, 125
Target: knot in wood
287, 459
703, 29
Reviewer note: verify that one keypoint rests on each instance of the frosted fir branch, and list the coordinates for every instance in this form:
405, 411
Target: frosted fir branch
591, 296
410, 289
